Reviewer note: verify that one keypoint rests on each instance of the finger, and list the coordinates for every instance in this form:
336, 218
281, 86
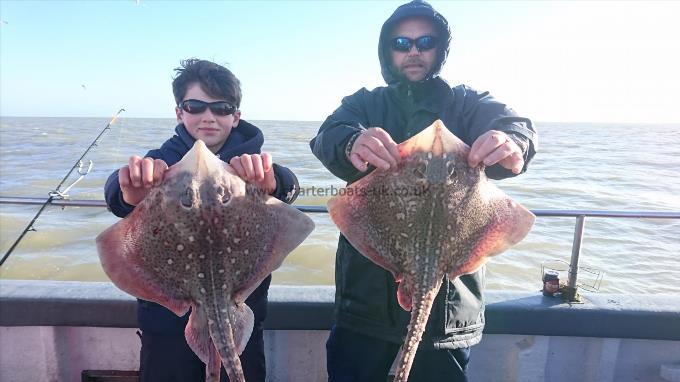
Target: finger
473, 155
358, 162
485, 145
369, 156
124, 177
258, 170
134, 165
269, 181
235, 164
131, 194
389, 144
376, 147
159, 168
267, 162
500, 153
147, 172
479, 149
514, 162
247, 163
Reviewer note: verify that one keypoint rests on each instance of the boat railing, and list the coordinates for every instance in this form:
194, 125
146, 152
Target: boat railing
569, 292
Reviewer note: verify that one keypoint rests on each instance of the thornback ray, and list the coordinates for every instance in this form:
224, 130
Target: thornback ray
203, 239
429, 217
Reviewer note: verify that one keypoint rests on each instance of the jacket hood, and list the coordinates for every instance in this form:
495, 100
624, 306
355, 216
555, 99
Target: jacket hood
412, 9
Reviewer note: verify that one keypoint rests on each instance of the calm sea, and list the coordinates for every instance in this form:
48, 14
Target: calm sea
579, 166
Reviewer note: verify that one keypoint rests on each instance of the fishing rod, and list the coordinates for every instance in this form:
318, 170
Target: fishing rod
57, 194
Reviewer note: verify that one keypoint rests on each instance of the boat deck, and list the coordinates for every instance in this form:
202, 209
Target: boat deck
52, 330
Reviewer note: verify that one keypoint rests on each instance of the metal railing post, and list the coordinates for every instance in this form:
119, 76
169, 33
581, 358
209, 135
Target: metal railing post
570, 292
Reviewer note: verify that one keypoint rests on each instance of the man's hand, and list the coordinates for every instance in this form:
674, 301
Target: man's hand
374, 146
137, 178
496, 147
256, 169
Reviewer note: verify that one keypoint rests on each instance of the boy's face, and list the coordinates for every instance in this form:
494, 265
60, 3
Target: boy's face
210, 128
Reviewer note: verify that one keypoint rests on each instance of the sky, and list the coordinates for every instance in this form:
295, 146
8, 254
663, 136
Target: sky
550, 61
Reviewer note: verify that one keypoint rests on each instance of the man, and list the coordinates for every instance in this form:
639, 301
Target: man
365, 130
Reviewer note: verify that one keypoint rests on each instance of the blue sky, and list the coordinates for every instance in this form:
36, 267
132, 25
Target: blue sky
552, 61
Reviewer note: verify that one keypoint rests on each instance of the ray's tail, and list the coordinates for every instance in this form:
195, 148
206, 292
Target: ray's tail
230, 337
420, 312
224, 353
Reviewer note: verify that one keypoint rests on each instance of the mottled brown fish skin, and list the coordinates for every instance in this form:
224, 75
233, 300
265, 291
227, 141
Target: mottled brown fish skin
437, 204
203, 254
433, 216
203, 239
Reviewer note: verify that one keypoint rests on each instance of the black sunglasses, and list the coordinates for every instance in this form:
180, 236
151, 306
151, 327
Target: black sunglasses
194, 106
404, 44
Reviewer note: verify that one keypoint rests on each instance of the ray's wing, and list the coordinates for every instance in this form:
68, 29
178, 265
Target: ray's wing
269, 232
509, 223
120, 256
349, 212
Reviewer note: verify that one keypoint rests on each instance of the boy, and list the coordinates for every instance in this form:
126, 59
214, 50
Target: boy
208, 97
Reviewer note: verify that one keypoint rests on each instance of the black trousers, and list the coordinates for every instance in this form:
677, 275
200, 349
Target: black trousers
353, 357
168, 358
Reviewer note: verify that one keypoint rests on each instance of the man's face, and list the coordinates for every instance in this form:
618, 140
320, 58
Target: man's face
414, 65
211, 128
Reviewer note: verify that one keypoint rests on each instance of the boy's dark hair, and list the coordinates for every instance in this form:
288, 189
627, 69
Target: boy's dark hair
216, 80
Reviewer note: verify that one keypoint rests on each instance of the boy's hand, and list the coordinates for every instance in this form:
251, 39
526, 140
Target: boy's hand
496, 147
256, 169
137, 178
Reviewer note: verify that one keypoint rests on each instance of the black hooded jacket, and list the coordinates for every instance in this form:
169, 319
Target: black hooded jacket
365, 299
245, 139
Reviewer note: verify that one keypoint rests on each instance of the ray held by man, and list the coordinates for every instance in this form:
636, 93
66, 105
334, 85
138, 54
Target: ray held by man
433, 216
204, 240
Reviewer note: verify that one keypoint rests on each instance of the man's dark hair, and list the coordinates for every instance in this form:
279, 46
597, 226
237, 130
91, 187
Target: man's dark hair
216, 80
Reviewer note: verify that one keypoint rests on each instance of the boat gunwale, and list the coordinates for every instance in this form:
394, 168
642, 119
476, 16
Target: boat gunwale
101, 304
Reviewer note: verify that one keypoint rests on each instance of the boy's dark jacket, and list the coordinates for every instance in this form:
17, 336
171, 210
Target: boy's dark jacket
244, 139
365, 298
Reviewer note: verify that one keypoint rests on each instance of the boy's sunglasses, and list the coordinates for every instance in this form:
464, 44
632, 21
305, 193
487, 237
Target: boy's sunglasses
194, 106
404, 44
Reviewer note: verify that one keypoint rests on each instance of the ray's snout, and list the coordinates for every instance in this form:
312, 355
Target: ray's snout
200, 160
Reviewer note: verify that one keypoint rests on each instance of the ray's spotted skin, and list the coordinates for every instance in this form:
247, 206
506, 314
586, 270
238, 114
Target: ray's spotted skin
204, 240
431, 216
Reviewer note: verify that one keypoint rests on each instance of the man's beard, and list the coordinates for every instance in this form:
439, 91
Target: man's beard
401, 70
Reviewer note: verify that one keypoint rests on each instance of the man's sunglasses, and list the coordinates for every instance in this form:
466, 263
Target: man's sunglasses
404, 44
194, 106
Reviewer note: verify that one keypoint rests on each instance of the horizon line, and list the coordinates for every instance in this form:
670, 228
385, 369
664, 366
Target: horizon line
321, 121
